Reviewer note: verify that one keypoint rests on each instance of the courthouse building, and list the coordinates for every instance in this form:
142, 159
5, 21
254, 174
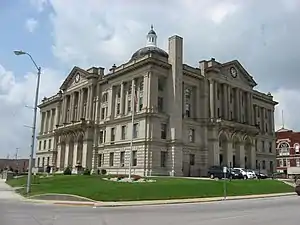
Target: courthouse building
185, 118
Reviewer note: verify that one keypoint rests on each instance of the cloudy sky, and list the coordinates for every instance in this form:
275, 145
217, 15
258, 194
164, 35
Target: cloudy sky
59, 34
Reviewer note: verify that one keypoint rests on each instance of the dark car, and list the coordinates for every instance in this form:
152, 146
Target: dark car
260, 175
297, 188
236, 174
217, 172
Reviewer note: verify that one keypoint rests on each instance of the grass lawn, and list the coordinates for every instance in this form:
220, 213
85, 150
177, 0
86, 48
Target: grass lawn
96, 188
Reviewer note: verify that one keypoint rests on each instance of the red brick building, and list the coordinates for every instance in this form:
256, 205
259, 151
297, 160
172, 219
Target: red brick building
20, 165
288, 150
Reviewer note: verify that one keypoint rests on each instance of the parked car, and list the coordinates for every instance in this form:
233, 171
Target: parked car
297, 188
217, 172
260, 175
236, 174
251, 173
246, 174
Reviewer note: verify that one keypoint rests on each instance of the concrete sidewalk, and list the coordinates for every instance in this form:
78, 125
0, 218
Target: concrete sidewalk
7, 192
159, 202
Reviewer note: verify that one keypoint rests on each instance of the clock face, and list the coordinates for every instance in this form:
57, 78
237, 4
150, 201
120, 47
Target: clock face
77, 77
233, 72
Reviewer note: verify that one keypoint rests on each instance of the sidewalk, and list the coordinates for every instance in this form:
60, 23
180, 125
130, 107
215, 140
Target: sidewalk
160, 202
7, 192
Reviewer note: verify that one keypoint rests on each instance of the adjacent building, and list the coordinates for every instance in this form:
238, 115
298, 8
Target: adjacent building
288, 151
185, 118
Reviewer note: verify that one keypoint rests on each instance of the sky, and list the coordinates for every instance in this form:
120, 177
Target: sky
262, 35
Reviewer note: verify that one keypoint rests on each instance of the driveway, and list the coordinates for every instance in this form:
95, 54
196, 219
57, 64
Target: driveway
7, 192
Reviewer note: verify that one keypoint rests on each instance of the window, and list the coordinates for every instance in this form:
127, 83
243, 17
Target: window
135, 130
271, 166
188, 110
112, 135
284, 148
123, 132
231, 115
134, 158
160, 84
284, 162
129, 106
45, 144
40, 145
160, 104
263, 146
187, 93
38, 162
100, 160
163, 159
256, 145
297, 148
49, 143
119, 93
270, 147
111, 159
163, 132
102, 135
298, 162
140, 103
118, 108
219, 115
263, 164
104, 97
191, 135
48, 161
43, 161
192, 159
102, 113
141, 85
122, 159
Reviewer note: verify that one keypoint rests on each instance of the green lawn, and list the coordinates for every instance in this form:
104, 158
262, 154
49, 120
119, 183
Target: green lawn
96, 188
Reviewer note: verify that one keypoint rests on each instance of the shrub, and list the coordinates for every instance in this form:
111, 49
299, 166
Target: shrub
86, 172
103, 172
67, 171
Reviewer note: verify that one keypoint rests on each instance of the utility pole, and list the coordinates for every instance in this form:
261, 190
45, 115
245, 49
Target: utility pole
16, 157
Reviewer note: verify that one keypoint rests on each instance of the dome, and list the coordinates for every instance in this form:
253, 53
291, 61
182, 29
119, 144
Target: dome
147, 50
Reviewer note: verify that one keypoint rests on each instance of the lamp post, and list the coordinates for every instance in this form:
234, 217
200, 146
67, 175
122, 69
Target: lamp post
33, 137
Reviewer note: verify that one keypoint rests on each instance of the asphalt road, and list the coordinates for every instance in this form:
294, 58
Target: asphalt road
275, 211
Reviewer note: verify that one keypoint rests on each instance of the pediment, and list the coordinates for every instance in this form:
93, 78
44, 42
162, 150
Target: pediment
234, 71
76, 77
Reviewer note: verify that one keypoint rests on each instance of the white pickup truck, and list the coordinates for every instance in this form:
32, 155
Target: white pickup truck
248, 174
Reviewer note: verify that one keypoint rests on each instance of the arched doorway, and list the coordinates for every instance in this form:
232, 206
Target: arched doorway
248, 145
71, 152
223, 143
235, 152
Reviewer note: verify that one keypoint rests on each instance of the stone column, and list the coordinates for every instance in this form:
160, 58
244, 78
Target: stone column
225, 102
42, 127
228, 154
84, 154
113, 102
133, 96
263, 117
72, 105
80, 104
252, 156
97, 104
122, 99
91, 102
272, 121
146, 90
88, 103
64, 111
240, 155
212, 99
237, 105
249, 108
228, 102
216, 102
66, 158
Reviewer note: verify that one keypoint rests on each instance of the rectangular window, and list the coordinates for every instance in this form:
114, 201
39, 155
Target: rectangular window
102, 113
160, 104
45, 144
135, 130
122, 159
49, 144
270, 147
38, 162
123, 132
101, 137
192, 135
111, 159
163, 131
40, 145
163, 159
134, 158
263, 146
140, 103
112, 135
263, 164
187, 110
48, 161
192, 159
100, 160
118, 108
129, 106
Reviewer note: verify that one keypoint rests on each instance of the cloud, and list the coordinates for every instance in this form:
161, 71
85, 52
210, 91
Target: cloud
39, 5
15, 94
31, 24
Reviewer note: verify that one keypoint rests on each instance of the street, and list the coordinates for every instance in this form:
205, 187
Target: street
281, 210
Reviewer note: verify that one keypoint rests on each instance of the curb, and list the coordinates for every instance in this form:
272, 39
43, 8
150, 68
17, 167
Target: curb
159, 202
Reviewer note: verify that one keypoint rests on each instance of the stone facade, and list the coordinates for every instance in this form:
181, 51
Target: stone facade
185, 118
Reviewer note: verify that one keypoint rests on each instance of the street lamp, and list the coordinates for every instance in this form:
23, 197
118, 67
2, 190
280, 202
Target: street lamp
18, 52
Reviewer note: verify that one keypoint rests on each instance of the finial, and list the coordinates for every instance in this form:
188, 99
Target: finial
151, 26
